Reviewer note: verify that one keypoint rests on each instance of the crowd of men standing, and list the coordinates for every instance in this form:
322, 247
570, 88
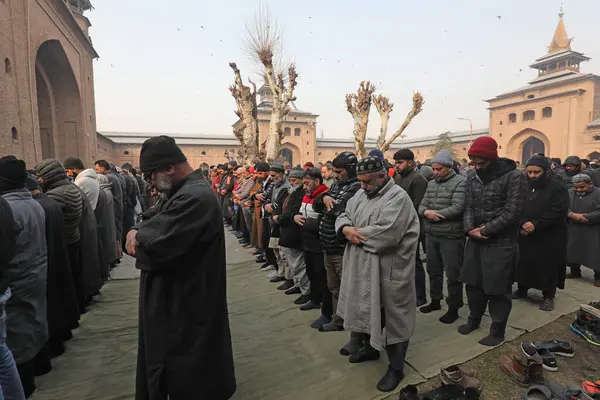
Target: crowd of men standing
328, 234
61, 231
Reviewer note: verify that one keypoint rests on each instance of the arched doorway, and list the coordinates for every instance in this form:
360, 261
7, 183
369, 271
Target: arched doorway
531, 146
204, 166
59, 104
288, 155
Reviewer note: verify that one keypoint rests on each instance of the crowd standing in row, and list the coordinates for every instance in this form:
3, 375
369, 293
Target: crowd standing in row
345, 238
61, 231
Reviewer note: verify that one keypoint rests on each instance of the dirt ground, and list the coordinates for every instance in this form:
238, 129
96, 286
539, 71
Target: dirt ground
585, 365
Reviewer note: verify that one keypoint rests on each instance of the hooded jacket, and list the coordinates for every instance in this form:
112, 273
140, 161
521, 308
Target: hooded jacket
86, 180
57, 186
310, 229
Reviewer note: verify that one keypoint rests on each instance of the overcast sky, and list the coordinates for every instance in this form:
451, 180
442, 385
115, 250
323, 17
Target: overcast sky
163, 65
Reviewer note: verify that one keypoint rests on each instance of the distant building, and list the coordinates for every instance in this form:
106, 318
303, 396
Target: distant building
557, 113
46, 80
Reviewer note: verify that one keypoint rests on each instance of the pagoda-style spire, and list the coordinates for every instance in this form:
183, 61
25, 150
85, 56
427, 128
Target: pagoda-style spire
560, 40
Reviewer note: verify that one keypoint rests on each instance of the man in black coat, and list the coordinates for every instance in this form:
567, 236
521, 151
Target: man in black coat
491, 221
543, 233
62, 310
331, 204
184, 348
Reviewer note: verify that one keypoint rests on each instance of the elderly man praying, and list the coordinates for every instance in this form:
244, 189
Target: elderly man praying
378, 283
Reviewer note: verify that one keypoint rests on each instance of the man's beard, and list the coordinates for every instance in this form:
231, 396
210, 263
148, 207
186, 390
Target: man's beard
163, 182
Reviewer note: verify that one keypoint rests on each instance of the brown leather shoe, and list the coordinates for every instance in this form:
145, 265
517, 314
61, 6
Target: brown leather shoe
515, 368
533, 362
453, 375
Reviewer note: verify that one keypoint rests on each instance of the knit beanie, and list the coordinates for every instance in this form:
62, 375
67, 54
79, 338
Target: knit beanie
277, 167
297, 173
573, 160
443, 157
376, 153
262, 167
31, 183
158, 153
539, 161
13, 172
484, 147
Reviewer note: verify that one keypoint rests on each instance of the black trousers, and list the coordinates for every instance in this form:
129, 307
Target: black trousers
548, 294
74, 250
420, 277
27, 375
319, 292
444, 253
270, 257
499, 306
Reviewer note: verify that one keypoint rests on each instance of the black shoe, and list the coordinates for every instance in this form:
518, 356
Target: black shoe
303, 299
556, 347
294, 290
433, 306
277, 279
450, 316
421, 302
469, 327
260, 260
390, 380
256, 253
547, 305
331, 327
286, 285
493, 339
310, 306
319, 322
409, 392
364, 354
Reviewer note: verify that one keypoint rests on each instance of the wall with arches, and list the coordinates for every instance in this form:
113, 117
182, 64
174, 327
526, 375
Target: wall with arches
24, 28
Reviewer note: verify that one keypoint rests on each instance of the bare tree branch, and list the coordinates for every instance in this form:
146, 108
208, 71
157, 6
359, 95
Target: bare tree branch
247, 130
417, 107
359, 105
384, 108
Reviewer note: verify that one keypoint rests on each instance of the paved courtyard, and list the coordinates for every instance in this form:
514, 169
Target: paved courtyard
277, 354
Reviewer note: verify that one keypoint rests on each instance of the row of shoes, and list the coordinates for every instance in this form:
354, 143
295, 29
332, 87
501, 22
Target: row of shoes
526, 367
551, 390
444, 392
587, 323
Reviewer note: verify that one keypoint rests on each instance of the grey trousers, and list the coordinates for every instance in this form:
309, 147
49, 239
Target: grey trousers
284, 270
333, 266
445, 253
499, 306
248, 213
295, 258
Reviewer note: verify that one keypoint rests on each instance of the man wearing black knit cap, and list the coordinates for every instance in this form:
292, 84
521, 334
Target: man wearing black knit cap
543, 233
415, 185
184, 336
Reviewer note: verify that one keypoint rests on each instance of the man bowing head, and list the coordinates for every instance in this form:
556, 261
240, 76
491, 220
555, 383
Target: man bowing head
184, 347
378, 283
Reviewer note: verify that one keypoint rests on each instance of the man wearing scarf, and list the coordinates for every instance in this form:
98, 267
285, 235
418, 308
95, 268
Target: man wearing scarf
584, 227
24, 279
378, 284
491, 221
184, 348
543, 233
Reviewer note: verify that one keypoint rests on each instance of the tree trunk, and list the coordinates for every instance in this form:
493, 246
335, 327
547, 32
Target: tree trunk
247, 133
383, 130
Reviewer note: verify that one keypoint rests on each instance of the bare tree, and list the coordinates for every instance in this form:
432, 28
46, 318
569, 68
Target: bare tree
359, 105
247, 131
384, 108
417, 107
264, 46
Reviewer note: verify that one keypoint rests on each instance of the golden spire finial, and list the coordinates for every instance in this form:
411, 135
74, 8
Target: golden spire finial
560, 40
561, 13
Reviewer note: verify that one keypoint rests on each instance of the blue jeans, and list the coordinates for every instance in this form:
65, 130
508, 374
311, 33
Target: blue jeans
10, 383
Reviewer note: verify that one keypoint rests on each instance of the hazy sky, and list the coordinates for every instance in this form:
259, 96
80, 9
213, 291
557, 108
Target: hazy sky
163, 65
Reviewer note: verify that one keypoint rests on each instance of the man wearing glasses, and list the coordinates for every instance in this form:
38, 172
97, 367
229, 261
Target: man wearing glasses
184, 337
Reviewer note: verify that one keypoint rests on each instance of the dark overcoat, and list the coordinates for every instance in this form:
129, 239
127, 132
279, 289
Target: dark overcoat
184, 348
584, 238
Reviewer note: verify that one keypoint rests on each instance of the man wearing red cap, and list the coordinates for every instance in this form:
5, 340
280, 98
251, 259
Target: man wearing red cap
491, 222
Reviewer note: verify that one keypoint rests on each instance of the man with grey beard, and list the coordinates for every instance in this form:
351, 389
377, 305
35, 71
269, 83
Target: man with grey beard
184, 337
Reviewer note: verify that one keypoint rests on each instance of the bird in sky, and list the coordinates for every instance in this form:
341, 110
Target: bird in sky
499, 17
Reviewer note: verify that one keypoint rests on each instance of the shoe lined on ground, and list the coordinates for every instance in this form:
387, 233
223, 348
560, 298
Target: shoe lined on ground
277, 279
309, 306
569, 392
453, 375
272, 274
390, 380
469, 327
409, 392
548, 359
587, 327
303, 299
591, 388
293, 290
450, 392
433, 306
592, 309
556, 347
534, 362
267, 267
319, 322
260, 260
537, 392
517, 367
288, 284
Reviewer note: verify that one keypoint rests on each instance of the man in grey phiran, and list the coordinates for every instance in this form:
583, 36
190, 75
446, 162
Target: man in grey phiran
382, 229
